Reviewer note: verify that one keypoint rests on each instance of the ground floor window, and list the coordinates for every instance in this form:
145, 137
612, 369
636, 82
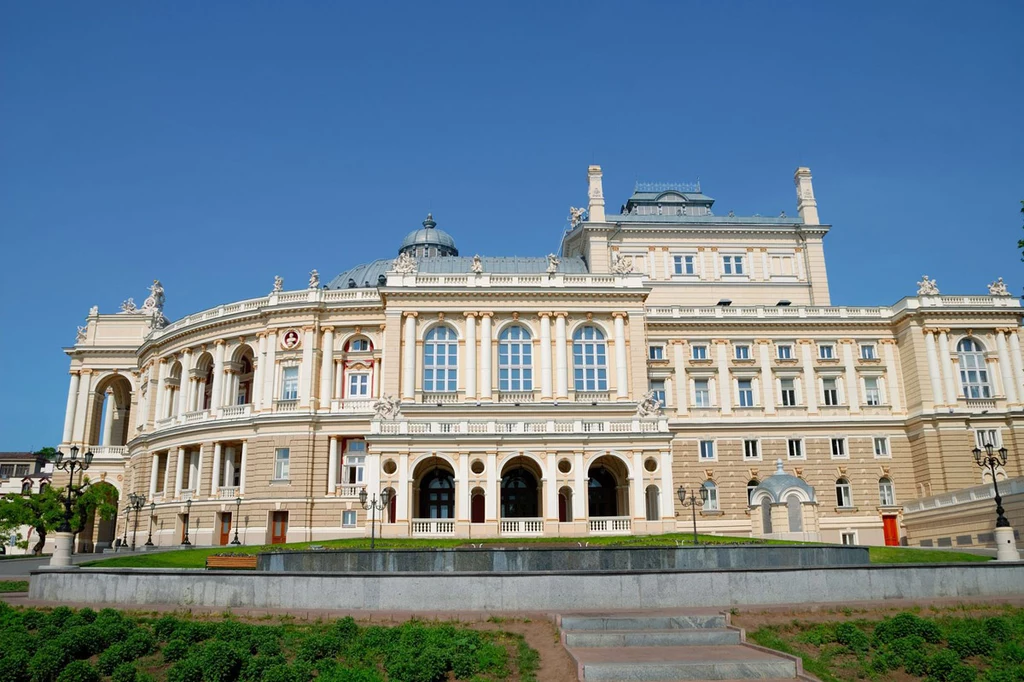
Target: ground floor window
348, 518
848, 537
519, 495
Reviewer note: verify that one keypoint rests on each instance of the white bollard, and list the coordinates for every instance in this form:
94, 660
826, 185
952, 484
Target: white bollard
62, 544
1006, 546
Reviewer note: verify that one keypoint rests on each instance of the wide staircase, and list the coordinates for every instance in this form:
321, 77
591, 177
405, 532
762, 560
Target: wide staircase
677, 646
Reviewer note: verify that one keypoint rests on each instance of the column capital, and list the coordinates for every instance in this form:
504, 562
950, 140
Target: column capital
486, 314
887, 341
328, 328
1005, 330
763, 342
720, 342
73, 372
410, 313
848, 341
307, 328
163, 361
86, 371
562, 315
806, 342
219, 342
469, 314
186, 351
677, 342
620, 314
543, 314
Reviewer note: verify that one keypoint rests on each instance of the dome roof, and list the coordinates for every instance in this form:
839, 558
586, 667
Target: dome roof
780, 483
427, 236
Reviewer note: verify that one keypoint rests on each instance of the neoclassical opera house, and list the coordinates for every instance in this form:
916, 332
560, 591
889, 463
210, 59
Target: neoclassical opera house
668, 345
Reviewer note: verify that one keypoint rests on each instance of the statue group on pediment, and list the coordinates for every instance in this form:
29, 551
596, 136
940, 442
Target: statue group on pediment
998, 288
387, 408
153, 306
404, 264
927, 287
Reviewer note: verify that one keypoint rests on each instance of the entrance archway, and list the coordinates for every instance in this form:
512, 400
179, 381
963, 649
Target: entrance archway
607, 493
477, 506
520, 498
437, 495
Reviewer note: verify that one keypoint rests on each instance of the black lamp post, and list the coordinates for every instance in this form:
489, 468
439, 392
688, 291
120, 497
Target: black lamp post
238, 517
693, 502
136, 502
992, 458
188, 521
373, 505
152, 513
69, 463
127, 519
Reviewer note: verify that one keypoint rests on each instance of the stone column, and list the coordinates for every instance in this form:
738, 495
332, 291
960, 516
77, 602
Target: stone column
946, 361
561, 365
153, 473
258, 370
621, 375
471, 351
549, 480
668, 495
217, 390
462, 487
579, 493
332, 465
242, 463
180, 404
485, 356
1017, 363
180, 469
545, 356
892, 379
724, 376
229, 466
306, 369
327, 369
493, 494
933, 368
680, 383
69, 410
215, 479
376, 378
198, 485
852, 384
403, 507
409, 358
161, 389
636, 488
82, 405
108, 417
1005, 368
810, 381
269, 371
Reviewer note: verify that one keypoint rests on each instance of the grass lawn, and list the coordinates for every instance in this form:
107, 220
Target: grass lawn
13, 586
195, 558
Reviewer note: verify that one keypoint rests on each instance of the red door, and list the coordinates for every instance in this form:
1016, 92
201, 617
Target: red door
563, 508
279, 528
477, 509
225, 528
891, 531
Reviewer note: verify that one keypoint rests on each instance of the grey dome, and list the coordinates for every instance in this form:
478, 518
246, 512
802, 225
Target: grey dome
780, 483
419, 242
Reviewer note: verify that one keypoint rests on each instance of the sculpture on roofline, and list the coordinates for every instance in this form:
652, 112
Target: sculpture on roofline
576, 215
649, 405
128, 306
80, 335
553, 263
314, 279
153, 306
622, 265
998, 288
478, 266
387, 407
404, 264
927, 287
278, 284
95, 310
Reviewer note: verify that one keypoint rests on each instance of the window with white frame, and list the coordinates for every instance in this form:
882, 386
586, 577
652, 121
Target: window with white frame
781, 265
590, 359
742, 351
872, 391
795, 448
701, 393
656, 352
711, 504
848, 537
784, 351
707, 449
973, 372
358, 385
751, 449
281, 457
440, 360
844, 498
515, 359
826, 351
983, 437
746, 392
830, 391
683, 265
658, 388
290, 383
788, 391
348, 518
867, 351
886, 494
699, 351
838, 448
732, 265
751, 487
357, 345
881, 446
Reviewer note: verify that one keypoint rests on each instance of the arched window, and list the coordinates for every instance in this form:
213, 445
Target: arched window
590, 359
751, 487
515, 360
358, 345
653, 500
844, 498
437, 495
711, 504
973, 373
886, 495
440, 360
26, 488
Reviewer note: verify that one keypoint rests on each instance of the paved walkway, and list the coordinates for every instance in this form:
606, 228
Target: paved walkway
18, 569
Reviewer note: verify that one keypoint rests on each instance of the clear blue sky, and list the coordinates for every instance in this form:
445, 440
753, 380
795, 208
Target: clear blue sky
214, 145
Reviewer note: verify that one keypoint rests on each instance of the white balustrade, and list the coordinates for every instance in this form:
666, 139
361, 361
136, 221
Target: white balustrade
421, 527
227, 493
188, 494
236, 411
592, 396
516, 397
108, 450
353, 405
522, 526
440, 398
610, 524
423, 426
347, 490
286, 405
194, 417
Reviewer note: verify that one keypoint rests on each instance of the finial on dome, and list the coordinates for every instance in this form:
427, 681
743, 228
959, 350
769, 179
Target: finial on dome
778, 467
429, 222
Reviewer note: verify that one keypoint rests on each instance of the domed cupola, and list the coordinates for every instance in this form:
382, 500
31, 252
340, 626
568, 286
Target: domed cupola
428, 241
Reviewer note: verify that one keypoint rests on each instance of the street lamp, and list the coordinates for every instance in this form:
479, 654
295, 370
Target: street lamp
693, 502
234, 522
152, 513
188, 521
64, 537
136, 502
127, 519
990, 458
373, 505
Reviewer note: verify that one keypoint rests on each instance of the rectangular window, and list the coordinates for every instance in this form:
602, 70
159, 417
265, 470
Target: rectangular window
732, 265
881, 446
358, 385
785, 351
6, 470
983, 437
848, 537
683, 265
656, 352
700, 352
830, 391
359, 345
290, 383
826, 351
712, 503
658, 388
751, 449
743, 352
746, 389
867, 351
795, 447
354, 467
701, 393
348, 518
21, 470
872, 393
707, 449
843, 496
788, 387
839, 448
281, 457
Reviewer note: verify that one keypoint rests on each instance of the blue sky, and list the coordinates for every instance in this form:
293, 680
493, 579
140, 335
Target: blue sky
214, 145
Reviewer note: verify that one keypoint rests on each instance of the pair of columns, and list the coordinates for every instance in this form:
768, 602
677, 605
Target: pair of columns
223, 470
942, 371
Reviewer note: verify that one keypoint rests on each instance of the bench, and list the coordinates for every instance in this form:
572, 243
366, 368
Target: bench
232, 562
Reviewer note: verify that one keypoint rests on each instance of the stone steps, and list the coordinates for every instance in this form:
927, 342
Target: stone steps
641, 622
673, 637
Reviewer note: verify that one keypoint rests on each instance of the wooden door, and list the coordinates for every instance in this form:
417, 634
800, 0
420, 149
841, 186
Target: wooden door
477, 509
563, 508
225, 528
891, 531
279, 528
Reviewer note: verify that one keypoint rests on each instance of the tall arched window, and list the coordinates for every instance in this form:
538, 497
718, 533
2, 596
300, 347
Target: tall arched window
711, 504
751, 487
844, 498
886, 495
590, 359
973, 373
515, 360
440, 360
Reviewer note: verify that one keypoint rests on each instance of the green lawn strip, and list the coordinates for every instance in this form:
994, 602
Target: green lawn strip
769, 637
196, 558
13, 586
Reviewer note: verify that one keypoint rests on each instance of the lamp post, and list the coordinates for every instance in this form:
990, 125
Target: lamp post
990, 458
127, 520
188, 521
136, 502
693, 502
152, 513
234, 521
64, 538
373, 505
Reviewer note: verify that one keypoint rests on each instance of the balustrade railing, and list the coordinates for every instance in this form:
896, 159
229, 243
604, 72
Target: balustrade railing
516, 397
610, 524
522, 526
353, 405
592, 396
286, 405
347, 490
227, 493
432, 527
236, 411
422, 426
187, 495
196, 416
440, 398
109, 450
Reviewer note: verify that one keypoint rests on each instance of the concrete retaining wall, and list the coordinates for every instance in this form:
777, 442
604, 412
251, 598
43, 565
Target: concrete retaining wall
532, 560
525, 592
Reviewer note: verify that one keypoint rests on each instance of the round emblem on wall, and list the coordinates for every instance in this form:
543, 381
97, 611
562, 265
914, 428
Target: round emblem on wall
290, 339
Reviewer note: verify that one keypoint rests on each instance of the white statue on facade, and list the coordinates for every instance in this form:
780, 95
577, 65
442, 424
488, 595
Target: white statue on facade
649, 405
576, 215
478, 265
998, 288
387, 407
80, 335
314, 279
278, 284
553, 263
404, 264
128, 305
927, 287
622, 265
95, 310
154, 303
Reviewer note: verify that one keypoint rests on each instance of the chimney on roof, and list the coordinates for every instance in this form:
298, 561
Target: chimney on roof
806, 206
595, 193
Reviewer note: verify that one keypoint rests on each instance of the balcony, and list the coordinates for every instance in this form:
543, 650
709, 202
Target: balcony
347, 490
361, 405
102, 451
439, 398
286, 405
227, 493
592, 396
517, 397
522, 527
433, 527
978, 404
236, 411
610, 525
195, 417
187, 495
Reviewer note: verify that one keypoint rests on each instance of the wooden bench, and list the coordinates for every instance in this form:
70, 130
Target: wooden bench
233, 562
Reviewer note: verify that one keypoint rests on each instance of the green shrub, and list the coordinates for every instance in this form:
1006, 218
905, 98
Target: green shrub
79, 671
114, 656
941, 664
852, 637
164, 628
905, 625
906, 647
14, 667
916, 662
819, 635
316, 647
125, 672
87, 615
186, 670
47, 663
998, 628
175, 650
969, 638
287, 673
253, 669
221, 662
350, 675
32, 619
346, 629
884, 661
1011, 653
1004, 674
58, 616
